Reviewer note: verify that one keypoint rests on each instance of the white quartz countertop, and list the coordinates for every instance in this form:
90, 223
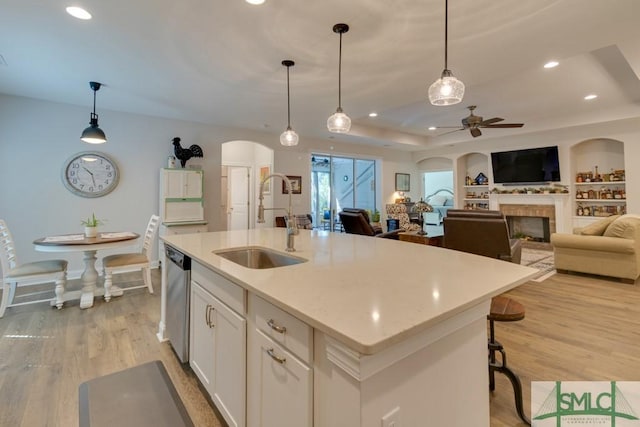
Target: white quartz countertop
366, 292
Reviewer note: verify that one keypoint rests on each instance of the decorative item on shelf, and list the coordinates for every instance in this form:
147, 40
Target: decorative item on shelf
339, 122
579, 177
580, 211
184, 154
171, 162
289, 137
481, 179
467, 180
596, 175
421, 207
93, 134
447, 90
91, 226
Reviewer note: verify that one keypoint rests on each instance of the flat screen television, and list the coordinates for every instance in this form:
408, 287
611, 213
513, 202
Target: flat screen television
533, 165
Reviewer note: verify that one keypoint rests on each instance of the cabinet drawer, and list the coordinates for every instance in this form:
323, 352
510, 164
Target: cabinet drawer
282, 327
222, 288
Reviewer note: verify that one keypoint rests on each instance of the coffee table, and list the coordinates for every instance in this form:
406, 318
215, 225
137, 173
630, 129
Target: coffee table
424, 239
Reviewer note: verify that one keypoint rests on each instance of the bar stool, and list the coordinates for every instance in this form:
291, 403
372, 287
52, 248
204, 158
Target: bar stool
504, 309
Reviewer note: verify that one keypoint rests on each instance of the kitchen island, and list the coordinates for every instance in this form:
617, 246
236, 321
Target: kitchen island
396, 332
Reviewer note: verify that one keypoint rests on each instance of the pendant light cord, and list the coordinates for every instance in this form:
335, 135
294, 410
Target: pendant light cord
340, 75
446, 32
288, 102
94, 104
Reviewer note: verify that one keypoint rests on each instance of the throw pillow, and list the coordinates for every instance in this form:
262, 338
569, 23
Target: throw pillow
598, 228
624, 227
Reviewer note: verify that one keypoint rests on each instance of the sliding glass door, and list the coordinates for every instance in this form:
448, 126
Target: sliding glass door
340, 182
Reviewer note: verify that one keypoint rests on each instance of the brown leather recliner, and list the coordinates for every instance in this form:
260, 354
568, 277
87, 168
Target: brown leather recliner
355, 221
481, 232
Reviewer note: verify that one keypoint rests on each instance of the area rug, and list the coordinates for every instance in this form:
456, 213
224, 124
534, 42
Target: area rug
541, 260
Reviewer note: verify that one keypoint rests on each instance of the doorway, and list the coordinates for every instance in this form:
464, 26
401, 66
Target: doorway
340, 182
238, 194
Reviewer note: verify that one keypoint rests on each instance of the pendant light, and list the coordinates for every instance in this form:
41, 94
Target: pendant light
339, 122
93, 134
289, 137
447, 90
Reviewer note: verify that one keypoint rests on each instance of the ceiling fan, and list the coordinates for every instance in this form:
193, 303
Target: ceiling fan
474, 123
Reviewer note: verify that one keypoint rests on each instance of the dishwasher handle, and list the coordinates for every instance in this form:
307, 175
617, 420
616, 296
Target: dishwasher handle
178, 258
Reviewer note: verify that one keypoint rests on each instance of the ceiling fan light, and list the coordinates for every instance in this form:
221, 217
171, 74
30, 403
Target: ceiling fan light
339, 122
289, 138
447, 90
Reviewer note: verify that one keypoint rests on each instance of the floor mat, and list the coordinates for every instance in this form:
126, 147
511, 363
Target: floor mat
539, 259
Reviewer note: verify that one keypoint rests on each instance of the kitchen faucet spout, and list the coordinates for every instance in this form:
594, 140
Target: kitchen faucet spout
290, 220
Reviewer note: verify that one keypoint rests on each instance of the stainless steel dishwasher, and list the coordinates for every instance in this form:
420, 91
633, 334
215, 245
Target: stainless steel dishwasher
178, 290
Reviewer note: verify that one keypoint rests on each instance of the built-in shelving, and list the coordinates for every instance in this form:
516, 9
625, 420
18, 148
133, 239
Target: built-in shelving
599, 188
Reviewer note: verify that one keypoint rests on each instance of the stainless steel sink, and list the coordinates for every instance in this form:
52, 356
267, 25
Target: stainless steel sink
258, 257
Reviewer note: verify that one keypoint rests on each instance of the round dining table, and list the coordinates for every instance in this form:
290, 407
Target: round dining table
89, 246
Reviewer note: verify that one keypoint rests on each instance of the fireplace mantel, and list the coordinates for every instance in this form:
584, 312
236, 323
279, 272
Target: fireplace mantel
559, 200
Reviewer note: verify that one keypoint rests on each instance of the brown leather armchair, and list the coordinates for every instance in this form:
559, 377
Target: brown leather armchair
356, 221
481, 232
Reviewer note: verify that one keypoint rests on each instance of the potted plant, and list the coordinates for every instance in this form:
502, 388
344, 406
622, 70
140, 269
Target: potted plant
375, 216
91, 226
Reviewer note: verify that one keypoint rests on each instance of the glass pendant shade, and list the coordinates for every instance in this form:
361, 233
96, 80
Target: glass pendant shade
447, 90
289, 138
339, 122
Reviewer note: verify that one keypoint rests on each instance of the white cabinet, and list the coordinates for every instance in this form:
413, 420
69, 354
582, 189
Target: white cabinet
280, 385
182, 183
181, 195
279, 373
218, 344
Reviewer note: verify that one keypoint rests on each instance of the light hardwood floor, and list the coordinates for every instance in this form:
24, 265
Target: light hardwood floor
576, 328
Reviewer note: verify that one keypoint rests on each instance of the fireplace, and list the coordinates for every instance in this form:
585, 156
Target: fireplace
531, 222
533, 228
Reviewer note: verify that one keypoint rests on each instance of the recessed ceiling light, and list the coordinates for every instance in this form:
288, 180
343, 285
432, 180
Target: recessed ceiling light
255, 1
373, 114
432, 128
78, 12
590, 97
551, 64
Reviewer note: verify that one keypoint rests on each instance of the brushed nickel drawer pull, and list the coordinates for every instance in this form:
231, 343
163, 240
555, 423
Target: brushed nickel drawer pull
278, 329
211, 325
206, 316
280, 360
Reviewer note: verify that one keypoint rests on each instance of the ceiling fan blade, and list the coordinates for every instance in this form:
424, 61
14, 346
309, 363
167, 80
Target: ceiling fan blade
451, 131
448, 127
490, 121
505, 125
475, 132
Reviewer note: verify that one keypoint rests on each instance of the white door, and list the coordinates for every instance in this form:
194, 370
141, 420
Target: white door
238, 181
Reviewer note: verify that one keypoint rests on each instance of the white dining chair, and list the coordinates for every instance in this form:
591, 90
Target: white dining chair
32, 273
131, 261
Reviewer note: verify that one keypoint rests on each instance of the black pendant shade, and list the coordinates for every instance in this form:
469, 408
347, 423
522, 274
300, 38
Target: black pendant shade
93, 134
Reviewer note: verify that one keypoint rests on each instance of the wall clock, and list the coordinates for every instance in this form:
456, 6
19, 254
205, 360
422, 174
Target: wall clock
90, 174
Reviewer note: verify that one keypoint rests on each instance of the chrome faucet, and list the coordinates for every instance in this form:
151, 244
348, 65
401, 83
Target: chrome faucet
292, 226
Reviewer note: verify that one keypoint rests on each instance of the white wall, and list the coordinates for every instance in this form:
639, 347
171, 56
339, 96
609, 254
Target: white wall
36, 137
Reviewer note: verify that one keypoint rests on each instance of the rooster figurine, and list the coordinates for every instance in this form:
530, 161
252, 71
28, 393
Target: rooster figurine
184, 154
